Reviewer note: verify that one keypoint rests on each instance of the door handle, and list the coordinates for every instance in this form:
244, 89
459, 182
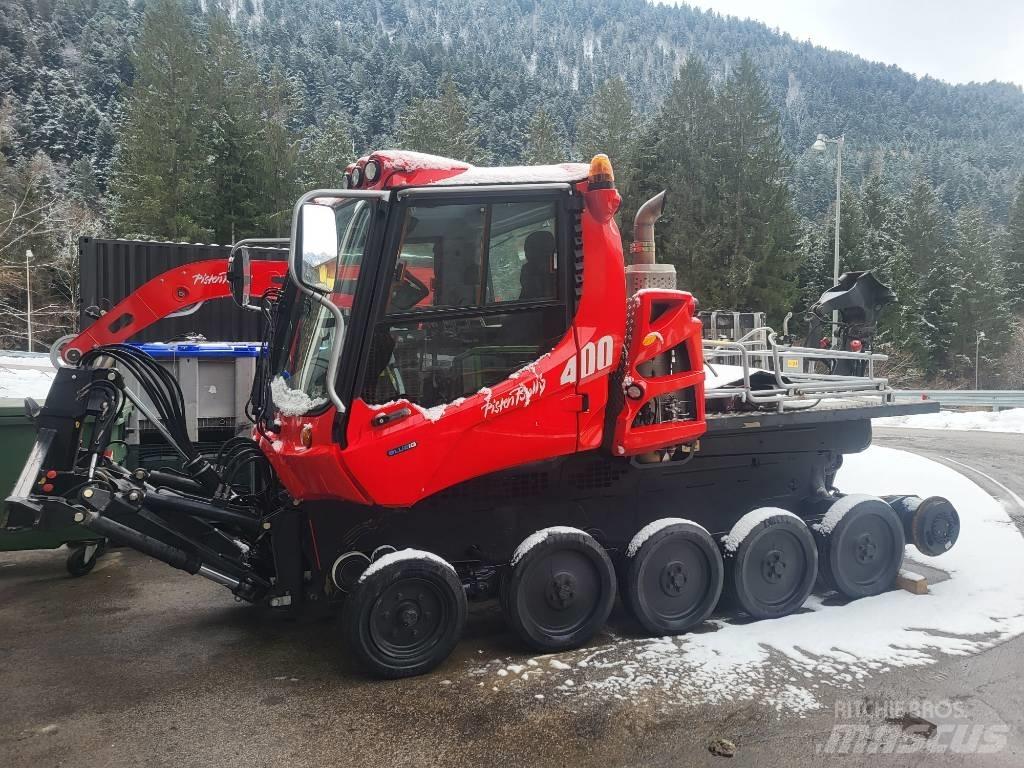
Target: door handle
382, 419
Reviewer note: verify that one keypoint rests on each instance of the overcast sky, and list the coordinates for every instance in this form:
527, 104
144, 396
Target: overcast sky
953, 40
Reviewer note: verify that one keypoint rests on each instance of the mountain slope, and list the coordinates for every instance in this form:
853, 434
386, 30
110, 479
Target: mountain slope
62, 65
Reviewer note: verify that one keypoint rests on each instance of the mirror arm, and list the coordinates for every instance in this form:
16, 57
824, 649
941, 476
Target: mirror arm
244, 244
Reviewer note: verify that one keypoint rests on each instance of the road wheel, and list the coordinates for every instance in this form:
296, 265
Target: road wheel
673, 576
83, 558
935, 526
772, 563
406, 614
560, 589
860, 546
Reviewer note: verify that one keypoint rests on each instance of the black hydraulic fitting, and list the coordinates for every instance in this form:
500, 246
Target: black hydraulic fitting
203, 473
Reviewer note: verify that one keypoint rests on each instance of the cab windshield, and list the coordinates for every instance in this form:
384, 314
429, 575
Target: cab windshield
333, 241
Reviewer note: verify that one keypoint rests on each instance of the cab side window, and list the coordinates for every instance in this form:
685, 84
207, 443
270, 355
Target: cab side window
476, 294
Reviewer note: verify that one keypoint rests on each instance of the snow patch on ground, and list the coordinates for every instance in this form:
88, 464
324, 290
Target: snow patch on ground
26, 375
396, 557
787, 662
1010, 420
749, 522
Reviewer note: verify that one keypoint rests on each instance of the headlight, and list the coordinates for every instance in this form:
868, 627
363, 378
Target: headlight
357, 176
372, 171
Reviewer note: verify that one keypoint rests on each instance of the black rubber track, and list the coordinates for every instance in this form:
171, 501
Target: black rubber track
405, 618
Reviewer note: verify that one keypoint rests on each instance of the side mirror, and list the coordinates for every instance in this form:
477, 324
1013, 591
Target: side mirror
316, 258
240, 276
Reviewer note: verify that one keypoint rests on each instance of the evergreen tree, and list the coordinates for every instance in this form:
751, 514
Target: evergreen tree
326, 154
675, 154
544, 144
853, 253
231, 135
815, 273
279, 158
609, 125
1015, 250
925, 279
757, 250
158, 174
981, 304
442, 125
881, 219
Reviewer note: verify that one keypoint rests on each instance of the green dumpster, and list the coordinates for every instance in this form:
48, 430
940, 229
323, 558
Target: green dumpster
17, 436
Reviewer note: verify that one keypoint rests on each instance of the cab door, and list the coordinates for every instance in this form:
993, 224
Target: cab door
465, 368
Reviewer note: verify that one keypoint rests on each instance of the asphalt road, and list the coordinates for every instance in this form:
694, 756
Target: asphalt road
141, 665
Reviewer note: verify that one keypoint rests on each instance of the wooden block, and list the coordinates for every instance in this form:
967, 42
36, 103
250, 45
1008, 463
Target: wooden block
914, 583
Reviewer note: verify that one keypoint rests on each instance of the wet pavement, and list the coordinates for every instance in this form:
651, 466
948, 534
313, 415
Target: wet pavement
141, 665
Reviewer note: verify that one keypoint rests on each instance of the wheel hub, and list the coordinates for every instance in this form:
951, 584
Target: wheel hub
866, 548
405, 617
561, 591
940, 528
674, 578
409, 615
773, 566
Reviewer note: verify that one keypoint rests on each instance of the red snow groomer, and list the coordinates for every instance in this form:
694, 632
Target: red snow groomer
466, 392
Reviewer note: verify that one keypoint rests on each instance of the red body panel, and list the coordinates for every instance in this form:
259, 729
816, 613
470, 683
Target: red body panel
165, 294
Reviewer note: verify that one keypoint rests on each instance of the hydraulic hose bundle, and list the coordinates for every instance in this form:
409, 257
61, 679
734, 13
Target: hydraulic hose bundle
159, 385
240, 474
258, 406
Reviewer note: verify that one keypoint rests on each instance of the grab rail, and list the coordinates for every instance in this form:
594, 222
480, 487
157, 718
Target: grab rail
791, 390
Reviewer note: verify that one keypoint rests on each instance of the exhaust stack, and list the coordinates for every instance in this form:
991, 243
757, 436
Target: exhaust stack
642, 271
642, 250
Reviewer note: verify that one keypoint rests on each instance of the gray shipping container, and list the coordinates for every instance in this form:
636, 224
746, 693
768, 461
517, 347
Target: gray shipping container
109, 270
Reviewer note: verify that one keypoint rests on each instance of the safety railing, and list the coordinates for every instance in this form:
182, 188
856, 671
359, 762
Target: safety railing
758, 352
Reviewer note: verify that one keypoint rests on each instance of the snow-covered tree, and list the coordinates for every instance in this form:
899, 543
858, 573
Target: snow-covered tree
442, 125
544, 142
160, 167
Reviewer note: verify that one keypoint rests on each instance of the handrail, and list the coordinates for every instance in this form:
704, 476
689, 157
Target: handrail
792, 390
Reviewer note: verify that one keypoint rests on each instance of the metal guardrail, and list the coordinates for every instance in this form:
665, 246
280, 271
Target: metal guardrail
996, 399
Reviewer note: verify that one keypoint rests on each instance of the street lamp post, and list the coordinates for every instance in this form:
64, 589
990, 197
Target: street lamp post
28, 295
977, 357
820, 145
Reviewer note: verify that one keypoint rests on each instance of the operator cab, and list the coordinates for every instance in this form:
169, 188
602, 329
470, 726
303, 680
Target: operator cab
440, 289
476, 293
